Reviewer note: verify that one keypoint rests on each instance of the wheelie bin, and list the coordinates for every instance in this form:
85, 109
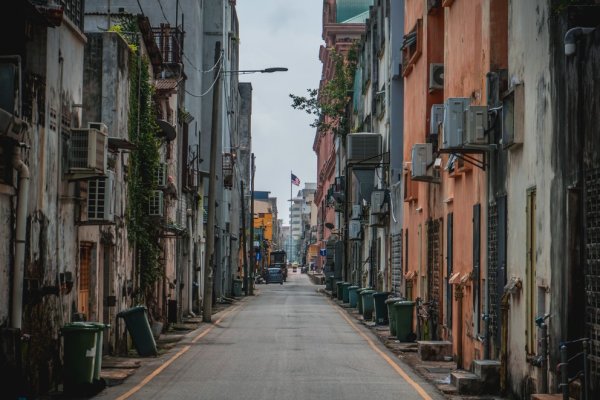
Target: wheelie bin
139, 329
80, 341
359, 299
100, 328
352, 295
403, 316
368, 305
339, 292
392, 321
329, 283
345, 287
380, 308
237, 287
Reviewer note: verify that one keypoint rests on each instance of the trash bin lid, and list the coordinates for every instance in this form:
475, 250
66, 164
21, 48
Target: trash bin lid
367, 291
404, 303
131, 311
353, 287
381, 294
99, 325
78, 326
393, 300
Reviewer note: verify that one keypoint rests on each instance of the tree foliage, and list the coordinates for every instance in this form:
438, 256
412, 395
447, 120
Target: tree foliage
329, 104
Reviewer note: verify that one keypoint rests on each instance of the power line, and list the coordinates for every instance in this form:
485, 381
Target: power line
209, 89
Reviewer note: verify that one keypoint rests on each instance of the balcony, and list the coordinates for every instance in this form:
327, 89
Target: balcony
170, 43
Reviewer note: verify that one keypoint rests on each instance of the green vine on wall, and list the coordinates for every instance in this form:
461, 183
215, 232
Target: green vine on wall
143, 162
329, 104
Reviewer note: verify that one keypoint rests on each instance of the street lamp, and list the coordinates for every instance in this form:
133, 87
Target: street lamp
252, 71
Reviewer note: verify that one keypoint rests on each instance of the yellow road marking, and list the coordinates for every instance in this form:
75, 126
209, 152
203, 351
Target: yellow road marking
173, 358
391, 362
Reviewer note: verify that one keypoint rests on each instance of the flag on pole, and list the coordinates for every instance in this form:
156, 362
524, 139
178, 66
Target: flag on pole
295, 180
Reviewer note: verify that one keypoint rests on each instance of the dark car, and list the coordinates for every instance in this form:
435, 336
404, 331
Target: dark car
274, 275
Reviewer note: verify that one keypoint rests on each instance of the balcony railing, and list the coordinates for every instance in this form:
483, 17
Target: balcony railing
170, 43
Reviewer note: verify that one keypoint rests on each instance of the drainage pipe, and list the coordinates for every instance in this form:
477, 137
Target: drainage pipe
458, 295
20, 235
504, 307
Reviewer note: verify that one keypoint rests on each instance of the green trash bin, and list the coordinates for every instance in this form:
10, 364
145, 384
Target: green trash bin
139, 329
339, 291
100, 328
368, 305
353, 295
237, 287
359, 299
403, 315
380, 308
80, 341
392, 321
345, 287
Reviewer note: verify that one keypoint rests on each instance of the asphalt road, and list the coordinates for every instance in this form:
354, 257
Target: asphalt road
289, 342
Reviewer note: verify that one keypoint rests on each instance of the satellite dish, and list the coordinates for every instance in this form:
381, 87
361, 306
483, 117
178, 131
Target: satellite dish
166, 130
329, 225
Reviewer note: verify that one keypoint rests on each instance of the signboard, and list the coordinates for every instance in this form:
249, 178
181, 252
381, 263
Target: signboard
323, 252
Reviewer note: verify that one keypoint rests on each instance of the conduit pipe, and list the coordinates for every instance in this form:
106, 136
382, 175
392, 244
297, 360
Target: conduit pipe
21, 231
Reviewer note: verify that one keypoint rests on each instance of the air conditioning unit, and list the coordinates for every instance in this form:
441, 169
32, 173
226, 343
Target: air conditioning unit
12, 126
454, 122
356, 211
376, 220
364, 148
161, 175
101, 126
354, 229
87, 152
476, 120
422, 157
100, 200
377, 201
436, 76
156, 203
436, 118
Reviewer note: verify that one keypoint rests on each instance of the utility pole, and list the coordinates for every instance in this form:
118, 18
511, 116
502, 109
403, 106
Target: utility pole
252, 256
244, 240
212, 186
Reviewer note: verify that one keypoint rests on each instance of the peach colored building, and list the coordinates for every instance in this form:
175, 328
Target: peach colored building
445, 220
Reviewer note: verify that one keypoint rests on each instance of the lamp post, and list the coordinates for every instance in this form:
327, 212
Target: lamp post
209, 260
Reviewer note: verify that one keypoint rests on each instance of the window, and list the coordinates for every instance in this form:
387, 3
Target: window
412, 47
530, 284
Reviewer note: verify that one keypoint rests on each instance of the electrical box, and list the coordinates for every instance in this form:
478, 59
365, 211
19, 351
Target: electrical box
354, 229
436, 118
377, 200
100, 200
364, 148
454, 122
422, 157
356, 211
476, 119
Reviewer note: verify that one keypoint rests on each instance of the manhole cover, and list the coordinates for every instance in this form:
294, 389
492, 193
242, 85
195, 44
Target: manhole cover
438, 370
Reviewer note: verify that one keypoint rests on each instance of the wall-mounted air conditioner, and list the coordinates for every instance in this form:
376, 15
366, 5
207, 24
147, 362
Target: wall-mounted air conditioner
364, 148
436, 118
476, 120
377, 201
156, 203
101, 126
100, 200
454, 122
87, 152
422, 157
160, 176
436, 76
376, 220
354, 230
356, 211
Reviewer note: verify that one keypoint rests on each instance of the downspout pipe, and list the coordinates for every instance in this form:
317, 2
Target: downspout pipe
571, 37
21, 231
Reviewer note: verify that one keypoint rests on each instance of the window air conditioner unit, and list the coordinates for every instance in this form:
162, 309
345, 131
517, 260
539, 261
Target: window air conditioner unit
356, 211
376, 220
101, 126
436, 76
454, 122
422, 157
354, 230
100, 200
364, 148
156, 203
87, 152
377, 200
161, 175
436, 118
476, 120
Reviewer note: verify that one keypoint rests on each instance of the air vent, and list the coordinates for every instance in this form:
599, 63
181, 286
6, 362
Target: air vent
364, 148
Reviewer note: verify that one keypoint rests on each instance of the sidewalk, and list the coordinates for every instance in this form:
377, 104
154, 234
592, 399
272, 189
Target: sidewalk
436, 372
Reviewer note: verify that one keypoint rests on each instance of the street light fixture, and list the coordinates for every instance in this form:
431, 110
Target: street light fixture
252, 71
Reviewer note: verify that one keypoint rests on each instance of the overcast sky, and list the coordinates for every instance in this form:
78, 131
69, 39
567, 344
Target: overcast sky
281, 33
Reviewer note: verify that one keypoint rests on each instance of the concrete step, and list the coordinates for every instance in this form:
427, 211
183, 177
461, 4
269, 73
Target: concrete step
466, 382
114, 377
489, 372
434, 350
448, 389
